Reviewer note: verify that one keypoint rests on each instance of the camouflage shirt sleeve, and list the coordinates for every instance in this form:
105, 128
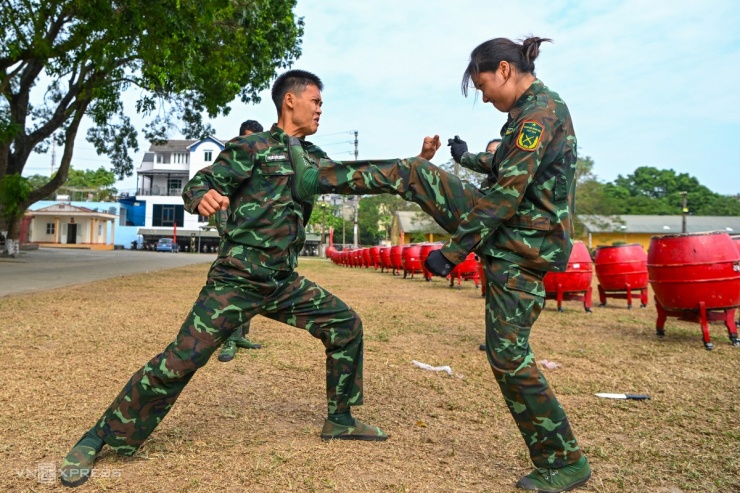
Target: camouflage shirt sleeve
232, 166
480, 163
516, 172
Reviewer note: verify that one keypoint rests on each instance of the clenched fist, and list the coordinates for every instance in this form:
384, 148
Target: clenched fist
212, 202
429, 148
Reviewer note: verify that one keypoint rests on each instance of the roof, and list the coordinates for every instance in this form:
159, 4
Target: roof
417, 222
172, 146
660, 224
62, 209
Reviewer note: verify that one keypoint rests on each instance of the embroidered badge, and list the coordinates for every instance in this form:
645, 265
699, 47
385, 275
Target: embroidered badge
529, 136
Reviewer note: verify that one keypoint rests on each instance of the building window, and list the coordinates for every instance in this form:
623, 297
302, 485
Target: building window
208, 156
166, 215
159, 159
123, 214
174, 186
180, 158
50, 228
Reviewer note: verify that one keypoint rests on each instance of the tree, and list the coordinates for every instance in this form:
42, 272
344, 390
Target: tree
591, 199
376, 216
98, 183
63, 60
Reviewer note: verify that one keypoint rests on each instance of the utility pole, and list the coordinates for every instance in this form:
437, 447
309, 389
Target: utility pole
356, 200
684, 212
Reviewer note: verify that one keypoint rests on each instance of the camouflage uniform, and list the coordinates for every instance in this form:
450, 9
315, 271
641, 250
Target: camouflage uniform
520, 225
253, 274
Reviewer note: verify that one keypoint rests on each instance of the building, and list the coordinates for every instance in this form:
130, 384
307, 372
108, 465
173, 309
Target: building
63, 224
607, 230
157, 208
414, 227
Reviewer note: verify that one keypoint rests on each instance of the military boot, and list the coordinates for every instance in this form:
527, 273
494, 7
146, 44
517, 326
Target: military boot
357, 431
228, 351
77, 464
555, 480
305, 177
243, 342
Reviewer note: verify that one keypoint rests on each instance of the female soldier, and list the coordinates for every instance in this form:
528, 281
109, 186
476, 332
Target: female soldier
519, 222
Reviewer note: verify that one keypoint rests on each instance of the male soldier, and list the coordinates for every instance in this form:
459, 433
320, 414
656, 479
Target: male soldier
253, 274
239, 337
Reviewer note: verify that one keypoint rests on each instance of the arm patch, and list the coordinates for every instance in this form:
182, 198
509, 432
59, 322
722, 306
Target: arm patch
529, 136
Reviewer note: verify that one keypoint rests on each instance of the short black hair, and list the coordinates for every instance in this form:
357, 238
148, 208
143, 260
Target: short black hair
251, 125
292, 81
492, 141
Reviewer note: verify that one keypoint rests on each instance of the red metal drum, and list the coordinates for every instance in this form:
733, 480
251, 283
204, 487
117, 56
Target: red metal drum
467, 269
411, 260
357, 258
375, 257
424, 253
696, 277
385, 259
620, 270
397, 259
736, 239
575, 282
367, 260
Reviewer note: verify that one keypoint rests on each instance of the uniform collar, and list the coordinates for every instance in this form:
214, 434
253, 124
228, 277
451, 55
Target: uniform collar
526, 98
279, 134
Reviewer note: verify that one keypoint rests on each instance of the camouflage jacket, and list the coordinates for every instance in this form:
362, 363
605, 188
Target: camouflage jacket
265, 225
525, 215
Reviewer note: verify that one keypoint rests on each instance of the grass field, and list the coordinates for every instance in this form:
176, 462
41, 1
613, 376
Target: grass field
253, 424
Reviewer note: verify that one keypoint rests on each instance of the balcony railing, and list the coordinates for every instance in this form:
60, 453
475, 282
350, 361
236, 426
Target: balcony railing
155, 190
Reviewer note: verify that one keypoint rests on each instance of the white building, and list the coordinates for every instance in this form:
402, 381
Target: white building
164, 171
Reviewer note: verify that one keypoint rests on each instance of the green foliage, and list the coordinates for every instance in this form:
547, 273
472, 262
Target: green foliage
463, 173
61, 60
647, 191
376, 216
14, 189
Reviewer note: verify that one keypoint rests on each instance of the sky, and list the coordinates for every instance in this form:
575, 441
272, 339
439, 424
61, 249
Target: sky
647, 83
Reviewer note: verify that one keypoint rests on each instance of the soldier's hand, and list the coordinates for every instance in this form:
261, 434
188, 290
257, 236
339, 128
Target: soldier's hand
430, 146
437, 264
458, 147
212, 202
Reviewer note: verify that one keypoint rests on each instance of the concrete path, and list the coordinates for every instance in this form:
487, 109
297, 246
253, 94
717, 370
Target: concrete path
48, 268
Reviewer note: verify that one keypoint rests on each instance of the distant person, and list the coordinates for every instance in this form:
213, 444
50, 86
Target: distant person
490, 149
239, 338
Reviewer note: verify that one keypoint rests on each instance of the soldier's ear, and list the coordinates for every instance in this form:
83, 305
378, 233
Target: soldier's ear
505, 69
289, 100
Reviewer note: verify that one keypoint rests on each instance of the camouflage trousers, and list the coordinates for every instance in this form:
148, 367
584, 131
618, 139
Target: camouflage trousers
235, 292
515, 296
242, 331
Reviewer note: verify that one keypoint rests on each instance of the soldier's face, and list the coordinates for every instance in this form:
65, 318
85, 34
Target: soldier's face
307, 111
496, 87
492, 147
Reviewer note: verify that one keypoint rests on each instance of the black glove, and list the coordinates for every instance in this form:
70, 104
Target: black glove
458, 147
437, 264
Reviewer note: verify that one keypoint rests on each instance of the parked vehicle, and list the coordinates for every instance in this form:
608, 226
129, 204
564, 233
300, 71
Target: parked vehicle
166, 245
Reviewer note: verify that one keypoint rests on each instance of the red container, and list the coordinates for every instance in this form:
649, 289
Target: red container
367, 260
397, 258
694, 268
424, 253
467, 269
696, 277
411, 260
375, 257
620, 270
575, 282
357, 258
736, 239
385, 259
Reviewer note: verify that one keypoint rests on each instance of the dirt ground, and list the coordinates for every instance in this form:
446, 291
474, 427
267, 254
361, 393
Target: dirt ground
253, 424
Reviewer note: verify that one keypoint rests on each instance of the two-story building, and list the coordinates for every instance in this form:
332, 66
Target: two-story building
157, 209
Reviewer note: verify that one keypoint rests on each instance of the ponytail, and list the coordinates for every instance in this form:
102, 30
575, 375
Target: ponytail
487, 56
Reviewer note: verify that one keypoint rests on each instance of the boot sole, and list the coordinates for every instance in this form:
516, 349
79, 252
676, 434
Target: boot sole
578, 483
75, 484
225, 359
364, 438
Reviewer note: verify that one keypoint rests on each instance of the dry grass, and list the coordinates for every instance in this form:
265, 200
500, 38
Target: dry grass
253, 424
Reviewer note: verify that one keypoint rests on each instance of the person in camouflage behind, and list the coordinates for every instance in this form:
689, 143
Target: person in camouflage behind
239, 338
519, 222
253, 274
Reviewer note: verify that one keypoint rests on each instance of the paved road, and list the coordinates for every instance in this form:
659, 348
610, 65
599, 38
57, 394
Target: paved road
48, 268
